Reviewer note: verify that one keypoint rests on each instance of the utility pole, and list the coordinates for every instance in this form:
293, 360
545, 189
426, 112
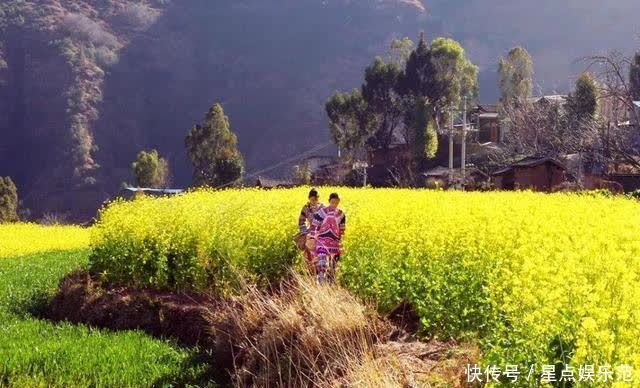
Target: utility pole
463, 155
363, 166
451, 146
364, 173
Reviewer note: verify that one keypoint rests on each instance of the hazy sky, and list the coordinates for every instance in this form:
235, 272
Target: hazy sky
556, 32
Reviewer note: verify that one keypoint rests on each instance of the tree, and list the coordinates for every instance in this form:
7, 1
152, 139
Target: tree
582, 104
407, 98
150, 170
349, 121
515, 76
385, 106
302, 173
430, 141
620, 142
455, 76
419, 74
8, 200
400, 50
441, 73
436, 77
546, 130
634, 77
213, 150
582, 113
423, 135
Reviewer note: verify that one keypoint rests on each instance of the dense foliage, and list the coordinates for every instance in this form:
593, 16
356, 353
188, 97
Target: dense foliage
515, 76
525, 273
150, 170
213, 150
8, 200
404, 100
583, 103
201, 240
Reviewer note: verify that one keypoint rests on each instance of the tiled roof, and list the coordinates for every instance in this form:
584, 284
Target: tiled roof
534, 161
270, 182
153, 191
488, 108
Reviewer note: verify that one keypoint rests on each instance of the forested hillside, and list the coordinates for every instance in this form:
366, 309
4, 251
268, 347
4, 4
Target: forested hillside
86, 84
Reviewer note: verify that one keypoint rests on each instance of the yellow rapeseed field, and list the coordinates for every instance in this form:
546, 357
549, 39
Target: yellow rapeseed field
23, 239
535, 278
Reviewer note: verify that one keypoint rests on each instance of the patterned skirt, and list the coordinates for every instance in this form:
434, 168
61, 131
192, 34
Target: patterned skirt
328, 246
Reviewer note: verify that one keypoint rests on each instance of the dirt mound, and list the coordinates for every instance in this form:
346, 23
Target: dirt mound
300, 335
82, 298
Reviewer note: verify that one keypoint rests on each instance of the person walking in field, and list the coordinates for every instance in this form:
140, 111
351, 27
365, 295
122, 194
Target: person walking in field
327, 229
304, 224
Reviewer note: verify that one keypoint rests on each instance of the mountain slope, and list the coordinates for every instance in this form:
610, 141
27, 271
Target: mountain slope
86, 84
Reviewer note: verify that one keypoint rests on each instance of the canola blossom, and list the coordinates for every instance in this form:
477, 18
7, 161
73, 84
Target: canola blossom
23, 239
536, 278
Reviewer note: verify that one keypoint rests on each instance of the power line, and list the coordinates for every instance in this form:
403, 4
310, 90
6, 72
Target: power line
281, 163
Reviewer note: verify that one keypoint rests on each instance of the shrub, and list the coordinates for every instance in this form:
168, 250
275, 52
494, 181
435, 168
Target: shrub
8, 200
150, 170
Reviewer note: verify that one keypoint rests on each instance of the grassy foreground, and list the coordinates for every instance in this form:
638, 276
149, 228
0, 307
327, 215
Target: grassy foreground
38, 353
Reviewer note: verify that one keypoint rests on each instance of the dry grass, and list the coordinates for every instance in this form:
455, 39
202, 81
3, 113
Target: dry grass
296, 335
308, 335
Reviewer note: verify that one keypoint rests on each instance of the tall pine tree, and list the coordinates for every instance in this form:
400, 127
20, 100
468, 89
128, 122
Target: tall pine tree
213, 150
436, 77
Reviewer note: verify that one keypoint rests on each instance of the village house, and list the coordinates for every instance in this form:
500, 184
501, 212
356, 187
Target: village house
326, 169
538, 174
396, 151
331, 174
487, 122
441, 178
132, 192
559, 99
628, 181
618, 114
485, 133
317, 162
272, 183
383, 159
